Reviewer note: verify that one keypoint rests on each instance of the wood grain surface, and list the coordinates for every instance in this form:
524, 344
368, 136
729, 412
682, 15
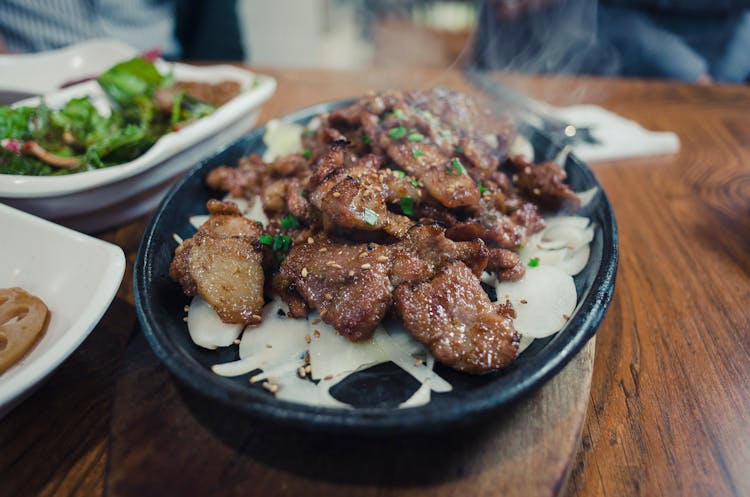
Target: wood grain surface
668, 412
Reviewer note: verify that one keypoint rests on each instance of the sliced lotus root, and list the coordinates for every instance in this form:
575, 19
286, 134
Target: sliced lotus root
23, 318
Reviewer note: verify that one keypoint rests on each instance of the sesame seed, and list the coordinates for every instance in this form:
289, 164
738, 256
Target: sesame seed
269, 346
308, 339
315, 321
271, 387
328, 377
382, 258
323, 249
237, 341
316, 333
328, 296
185, 319
304, 272
566, 317
527, 170
536, 191
366, 266
363, 254
418, 362
310, 240
351, 272
186, 308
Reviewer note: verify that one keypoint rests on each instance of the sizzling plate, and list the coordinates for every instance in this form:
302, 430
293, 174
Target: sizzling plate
160, 303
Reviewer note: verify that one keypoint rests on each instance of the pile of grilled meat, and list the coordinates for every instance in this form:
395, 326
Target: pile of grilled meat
397, 205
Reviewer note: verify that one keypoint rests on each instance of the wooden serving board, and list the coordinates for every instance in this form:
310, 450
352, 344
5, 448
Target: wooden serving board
165, 440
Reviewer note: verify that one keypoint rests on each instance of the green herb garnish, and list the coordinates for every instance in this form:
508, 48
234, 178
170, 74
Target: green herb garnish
482, 188
407, 205
533, 262
415, 183
415, 137
397, 133
416, 153
289, 222
366, 139
281, 243
459, 149
266, 239
398, 113
370, 217
457, 166
307, 153
309, 133
399, 174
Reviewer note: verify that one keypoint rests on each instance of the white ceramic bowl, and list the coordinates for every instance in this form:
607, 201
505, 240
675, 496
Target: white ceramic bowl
96, 200
75, 275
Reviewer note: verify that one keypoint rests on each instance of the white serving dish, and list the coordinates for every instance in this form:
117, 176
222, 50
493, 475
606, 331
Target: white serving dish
96, 200
75, 275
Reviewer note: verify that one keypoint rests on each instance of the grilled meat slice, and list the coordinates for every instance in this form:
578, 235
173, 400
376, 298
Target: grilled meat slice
222, 264
453, 316
544, 184
348, 284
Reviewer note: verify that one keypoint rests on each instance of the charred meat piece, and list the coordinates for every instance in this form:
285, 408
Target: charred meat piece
222, 264
544, 184
348, 284
352, 197
506, 264
497, 228
453, 316
444, 178
425, 249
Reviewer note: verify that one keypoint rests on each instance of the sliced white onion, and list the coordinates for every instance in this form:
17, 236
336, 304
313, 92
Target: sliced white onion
521, 146
198, 221
587, 196
526, 340
543, 299
575, 260
278, 339
281, 138
207, 329
332, 354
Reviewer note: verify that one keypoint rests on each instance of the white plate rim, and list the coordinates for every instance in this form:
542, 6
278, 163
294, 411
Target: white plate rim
33, 372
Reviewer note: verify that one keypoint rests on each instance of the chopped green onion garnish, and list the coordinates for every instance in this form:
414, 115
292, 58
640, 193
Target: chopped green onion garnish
415, 183
282, 243
307, 153
370, 217
366, 139
482, 188
266, 239
416, 137
259, 223
407, 205
416, 153
289, 222
302, 193
309, 133
398, 113
444, 133
399, 174
397, 133
459, 149
533, 262
459, 168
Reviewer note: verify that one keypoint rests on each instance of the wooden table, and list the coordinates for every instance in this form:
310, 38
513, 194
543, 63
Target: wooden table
669, 406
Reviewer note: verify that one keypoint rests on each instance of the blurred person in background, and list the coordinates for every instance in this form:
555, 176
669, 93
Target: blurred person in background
698, 41
187, 29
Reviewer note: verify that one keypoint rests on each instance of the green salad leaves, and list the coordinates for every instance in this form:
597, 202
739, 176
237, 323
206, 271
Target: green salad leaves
145, 105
